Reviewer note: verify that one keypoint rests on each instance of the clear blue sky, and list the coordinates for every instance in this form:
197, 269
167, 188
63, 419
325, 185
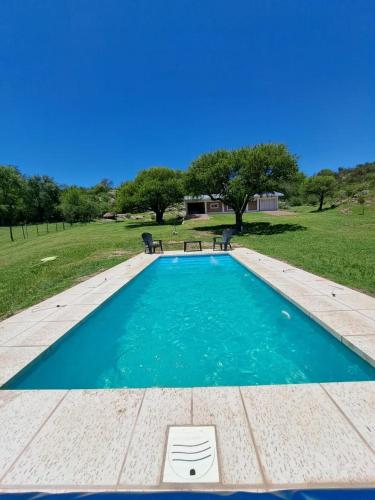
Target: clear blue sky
92, 89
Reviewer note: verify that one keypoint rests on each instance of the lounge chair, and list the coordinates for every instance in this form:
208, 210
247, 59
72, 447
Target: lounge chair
150, 244
225, 240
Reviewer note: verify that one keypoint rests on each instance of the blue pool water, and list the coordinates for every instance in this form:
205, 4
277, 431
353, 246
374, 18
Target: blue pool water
194, 321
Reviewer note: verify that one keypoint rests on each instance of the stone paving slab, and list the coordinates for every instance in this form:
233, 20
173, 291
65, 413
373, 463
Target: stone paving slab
222, 406
83, 443
364, 345
144, 460
369, 313
14, 359
22, 414
357, 401
41, 334
286, 436
347, 322
303, 438
10, 330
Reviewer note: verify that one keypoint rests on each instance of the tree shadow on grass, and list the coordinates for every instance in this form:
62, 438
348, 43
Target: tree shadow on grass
151, 223
324, 209
258, 228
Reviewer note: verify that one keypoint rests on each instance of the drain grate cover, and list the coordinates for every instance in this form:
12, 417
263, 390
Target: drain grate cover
191, 455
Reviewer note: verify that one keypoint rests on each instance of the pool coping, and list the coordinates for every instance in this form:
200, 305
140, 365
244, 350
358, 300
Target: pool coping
346, 313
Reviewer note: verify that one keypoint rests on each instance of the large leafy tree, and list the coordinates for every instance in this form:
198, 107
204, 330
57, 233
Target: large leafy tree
321, 186
154, 189
78, 206
42, 198
234, 177
12, 192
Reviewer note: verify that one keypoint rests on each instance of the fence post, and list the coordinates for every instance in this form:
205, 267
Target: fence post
37, 230
47, 227
63, 225
23, 232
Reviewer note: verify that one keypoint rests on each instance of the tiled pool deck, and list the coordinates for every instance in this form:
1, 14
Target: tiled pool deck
269, 437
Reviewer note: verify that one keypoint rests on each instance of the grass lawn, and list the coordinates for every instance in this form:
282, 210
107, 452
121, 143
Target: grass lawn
331, 244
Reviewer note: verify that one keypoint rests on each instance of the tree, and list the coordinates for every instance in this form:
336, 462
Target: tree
361, 201
11, 196
154, 189
321, 186
77, 206
42, 198
293, 189
12, 188
235, 177
103, 195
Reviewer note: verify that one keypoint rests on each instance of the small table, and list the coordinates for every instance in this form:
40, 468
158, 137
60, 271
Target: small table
186, 243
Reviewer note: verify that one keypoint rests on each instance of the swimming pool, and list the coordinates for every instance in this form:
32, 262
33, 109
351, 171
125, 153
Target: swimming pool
194, 321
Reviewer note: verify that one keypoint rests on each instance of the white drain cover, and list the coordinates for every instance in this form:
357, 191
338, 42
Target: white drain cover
191, 455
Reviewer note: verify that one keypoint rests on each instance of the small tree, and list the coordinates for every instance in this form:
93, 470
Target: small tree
12, 191
77, 206
361, 201
321, 187
154, 189
103, 195
234, 177
42, 198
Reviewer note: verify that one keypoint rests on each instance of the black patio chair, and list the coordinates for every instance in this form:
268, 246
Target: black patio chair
150, 244
225, 239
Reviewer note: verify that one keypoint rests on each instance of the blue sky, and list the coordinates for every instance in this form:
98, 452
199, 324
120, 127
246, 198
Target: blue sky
92, 89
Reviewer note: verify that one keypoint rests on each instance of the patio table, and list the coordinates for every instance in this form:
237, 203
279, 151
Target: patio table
191, 242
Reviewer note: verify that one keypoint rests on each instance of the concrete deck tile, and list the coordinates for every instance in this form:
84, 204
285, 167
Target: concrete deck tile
10, 330
33, 314
364, 345
356, 300
357, 401
294, 289
22, 413
298, 274
160, 408
303, 438
83, 443
369, 313
347, 322
281, 281
13, 359
222, 406
43, 333
92, 298
329, 287
263, 271
315, 303
71, 313
108, 288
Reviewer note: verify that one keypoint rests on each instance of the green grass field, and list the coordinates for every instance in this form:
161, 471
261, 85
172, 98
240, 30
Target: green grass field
331, 244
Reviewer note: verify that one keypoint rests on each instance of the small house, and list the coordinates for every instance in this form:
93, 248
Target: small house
205, 205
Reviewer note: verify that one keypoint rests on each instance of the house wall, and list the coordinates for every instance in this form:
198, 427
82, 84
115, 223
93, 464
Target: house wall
252, 205
263, 204
268, 204
195, 207
214, 206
